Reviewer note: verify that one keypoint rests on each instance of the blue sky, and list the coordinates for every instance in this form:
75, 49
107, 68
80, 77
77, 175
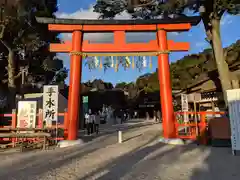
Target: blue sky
230, 31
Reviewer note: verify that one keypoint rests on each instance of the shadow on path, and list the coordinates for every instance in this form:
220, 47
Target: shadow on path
220, 164
36, 163
160, 161
125, 165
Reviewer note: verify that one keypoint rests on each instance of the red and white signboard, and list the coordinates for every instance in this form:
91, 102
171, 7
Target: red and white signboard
27, 111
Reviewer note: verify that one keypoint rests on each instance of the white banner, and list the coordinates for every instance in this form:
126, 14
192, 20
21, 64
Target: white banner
184, 99
233, 97
27, 112
50, 104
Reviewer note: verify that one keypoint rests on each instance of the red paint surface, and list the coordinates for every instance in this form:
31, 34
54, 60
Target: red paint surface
169, 130
74, 88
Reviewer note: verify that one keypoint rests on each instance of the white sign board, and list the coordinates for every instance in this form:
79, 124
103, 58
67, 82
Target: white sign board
184, 100
27, 112
50, 104
233, 97
194, 97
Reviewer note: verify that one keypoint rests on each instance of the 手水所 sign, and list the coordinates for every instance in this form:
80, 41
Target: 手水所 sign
50, 104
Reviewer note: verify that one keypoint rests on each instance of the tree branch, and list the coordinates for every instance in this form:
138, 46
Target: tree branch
15, 77
6, 45
220, 14
146, 4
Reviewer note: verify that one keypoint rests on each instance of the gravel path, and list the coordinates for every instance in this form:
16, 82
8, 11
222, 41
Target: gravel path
139, 157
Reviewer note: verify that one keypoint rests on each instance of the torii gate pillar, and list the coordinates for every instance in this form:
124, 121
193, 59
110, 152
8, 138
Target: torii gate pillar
169, 130
74, 88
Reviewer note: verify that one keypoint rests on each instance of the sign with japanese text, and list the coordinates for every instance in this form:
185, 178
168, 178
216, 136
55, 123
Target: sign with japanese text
85, 99
184, 100
50, 104
27, 112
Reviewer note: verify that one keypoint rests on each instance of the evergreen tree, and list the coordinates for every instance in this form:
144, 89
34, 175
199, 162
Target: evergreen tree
211, 12
25, 43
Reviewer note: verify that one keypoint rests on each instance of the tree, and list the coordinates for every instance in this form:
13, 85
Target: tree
186, 72
24, 43
194, 68
121, 85
132, 90
60, 76
211, 12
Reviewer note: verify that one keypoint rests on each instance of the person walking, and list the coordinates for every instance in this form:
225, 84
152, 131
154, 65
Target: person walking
159, 116
90, 122
122, 116
154, 115
135, 115
97, 122
93, 118
87, 123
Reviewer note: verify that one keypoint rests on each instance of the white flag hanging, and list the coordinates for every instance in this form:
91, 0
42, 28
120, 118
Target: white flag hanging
144, 61
128, 61
112, 59
96, 61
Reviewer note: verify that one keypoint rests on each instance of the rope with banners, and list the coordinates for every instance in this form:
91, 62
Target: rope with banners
104, 61
154, 53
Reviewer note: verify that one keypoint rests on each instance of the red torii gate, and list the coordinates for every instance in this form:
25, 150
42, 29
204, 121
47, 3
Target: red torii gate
159, 47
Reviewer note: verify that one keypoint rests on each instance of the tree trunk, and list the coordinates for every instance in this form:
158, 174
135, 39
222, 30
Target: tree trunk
235, 84
11, 79
220, 59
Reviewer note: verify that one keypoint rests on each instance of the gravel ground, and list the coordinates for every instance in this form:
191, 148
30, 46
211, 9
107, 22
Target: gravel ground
139, 157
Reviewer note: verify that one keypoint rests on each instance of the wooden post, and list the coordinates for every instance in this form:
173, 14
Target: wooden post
66, 124
74, 88
120, 137
195, 117
203, 125
14, 125
14, 118
169, 130
40, 118
44, 142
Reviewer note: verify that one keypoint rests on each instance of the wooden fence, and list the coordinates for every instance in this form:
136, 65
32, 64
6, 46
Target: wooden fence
195, 127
